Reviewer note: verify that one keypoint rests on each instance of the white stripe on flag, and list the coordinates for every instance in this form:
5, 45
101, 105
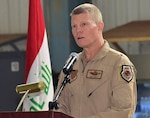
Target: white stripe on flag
40, 71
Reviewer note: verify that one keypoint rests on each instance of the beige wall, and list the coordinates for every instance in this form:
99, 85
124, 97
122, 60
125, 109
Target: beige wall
14, 13
13, 16
118, 12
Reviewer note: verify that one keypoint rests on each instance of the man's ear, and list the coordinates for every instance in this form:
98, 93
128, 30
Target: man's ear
100, 26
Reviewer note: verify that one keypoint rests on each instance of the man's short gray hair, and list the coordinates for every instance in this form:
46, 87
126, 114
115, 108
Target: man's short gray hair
88, 8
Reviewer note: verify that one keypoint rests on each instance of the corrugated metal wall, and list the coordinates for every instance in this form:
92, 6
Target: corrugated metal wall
118, 12
14, 13
13, 16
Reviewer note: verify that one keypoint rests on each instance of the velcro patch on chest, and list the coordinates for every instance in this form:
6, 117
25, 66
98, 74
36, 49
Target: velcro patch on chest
73, 75
94, 74
126, 73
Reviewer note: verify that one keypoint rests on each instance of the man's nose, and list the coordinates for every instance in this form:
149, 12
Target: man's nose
79, 29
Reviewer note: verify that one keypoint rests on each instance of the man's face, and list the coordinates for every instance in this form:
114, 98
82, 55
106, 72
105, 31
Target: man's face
85, 31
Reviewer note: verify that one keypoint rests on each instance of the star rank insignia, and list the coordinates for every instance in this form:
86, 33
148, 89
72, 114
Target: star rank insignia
126, 73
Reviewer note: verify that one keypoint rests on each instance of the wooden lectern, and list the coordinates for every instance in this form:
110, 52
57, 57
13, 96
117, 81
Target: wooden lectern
40, 114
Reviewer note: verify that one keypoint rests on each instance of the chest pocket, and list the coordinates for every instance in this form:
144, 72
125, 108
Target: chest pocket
94, 74
97, 81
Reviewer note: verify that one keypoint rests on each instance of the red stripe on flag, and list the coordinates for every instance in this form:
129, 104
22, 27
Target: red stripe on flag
36, 28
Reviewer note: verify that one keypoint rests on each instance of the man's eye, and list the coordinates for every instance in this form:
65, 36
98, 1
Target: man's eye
73, 26
83, 24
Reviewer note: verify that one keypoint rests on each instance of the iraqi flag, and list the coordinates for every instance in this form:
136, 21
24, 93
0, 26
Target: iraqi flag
38, 64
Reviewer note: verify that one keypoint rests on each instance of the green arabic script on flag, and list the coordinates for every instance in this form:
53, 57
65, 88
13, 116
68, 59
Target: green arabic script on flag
38, 63
46, 75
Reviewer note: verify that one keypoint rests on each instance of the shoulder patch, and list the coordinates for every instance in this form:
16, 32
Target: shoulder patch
126, 73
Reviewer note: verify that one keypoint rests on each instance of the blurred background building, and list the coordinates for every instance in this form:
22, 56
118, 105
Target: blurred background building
116, 13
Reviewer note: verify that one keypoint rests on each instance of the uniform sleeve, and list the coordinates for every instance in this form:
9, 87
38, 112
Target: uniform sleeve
123, 92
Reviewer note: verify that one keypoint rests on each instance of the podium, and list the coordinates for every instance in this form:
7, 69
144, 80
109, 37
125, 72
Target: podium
39, 114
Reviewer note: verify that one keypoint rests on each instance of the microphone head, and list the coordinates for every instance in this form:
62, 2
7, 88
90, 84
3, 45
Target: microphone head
74, 54
69, 63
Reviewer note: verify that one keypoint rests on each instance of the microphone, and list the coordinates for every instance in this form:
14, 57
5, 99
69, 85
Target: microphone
32, 87
69, 63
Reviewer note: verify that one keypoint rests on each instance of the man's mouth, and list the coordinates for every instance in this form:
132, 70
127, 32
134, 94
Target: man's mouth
80, 38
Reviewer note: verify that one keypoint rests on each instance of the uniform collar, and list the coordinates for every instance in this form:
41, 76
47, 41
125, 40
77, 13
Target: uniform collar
102, 52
